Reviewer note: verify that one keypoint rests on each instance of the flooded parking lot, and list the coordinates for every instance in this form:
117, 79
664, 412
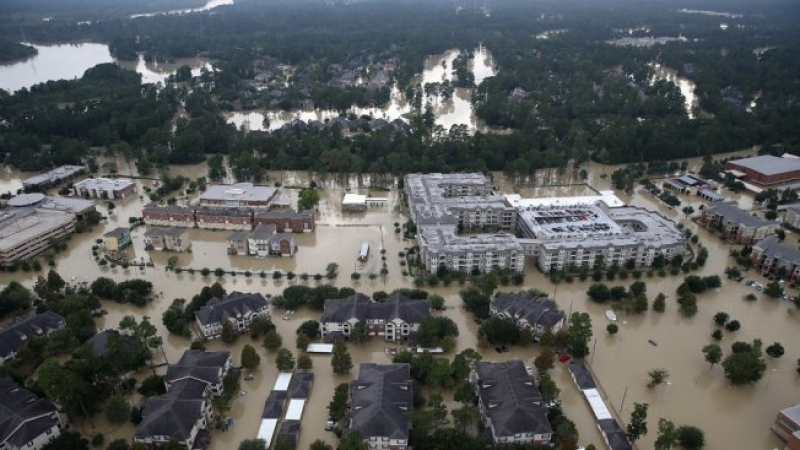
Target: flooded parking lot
732, 417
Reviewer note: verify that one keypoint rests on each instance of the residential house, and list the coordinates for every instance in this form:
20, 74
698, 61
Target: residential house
222, 218
787, 426
282, 245
168, 216
287, 221
117, 239
237, 243
381, 399
258, 241
209, 368
770, 257
397, 318
510, 404
528, 312
26, 421
14, 335
171, 239
237, 308
183, 415
736, 224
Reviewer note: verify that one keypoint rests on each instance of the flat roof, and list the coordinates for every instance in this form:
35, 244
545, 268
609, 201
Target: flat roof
266, 430
55, 175
104, 183
25, 200
319, 348
295, 409
238, 192
283, 381
21, 225
768, 164
608, 197
354, 199
599, 408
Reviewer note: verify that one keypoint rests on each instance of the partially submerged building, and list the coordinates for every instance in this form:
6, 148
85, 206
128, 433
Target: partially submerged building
27, 232
737, 225
397, 318
15, 334
766, 170
26, 420
287, 221
381, 399
240, 195
52, 178
105, 188
771, 257
531, 313
237, 308
172, 239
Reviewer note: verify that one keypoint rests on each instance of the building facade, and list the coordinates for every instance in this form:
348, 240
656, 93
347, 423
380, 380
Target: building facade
240, 195
510, 404
766, 170
27, 232
14, 335
381, 399
168, 216
772, 258
26, 421
287, 221
237, 308
397, 318
218, 218
737, 225
117, 239
531, 313
787, 426
171, 239
105, 188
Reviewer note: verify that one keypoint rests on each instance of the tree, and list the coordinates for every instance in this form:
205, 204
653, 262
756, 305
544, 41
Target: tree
360, 332
307, 199
253, 444
272, 340
657, 377
545, 361
118, 444
434, 329
733, 325
691, 438
304, 362
284, 360
340, 360
14, 297
599, 292
499, 331
250, 359
310, 328
281, 443
466, 416
476, 302
745, 367
612, 328
117, 409
580, 332
319, 445
353, 441
338, 405
68, 440
713, 354
721, 318
638, 424
775, 350
261, 325
549, 389
774, 289
437, 302
660, 303
229, 335
667, 435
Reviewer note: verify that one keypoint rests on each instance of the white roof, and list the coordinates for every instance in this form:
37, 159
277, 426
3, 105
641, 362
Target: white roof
354, 199
319, 348
267, 430
597, 404
282, 383
295, 409
608, 197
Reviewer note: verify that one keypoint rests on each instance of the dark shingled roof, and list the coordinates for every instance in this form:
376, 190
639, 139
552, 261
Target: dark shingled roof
511, 399
262, 232
581, 376
99, 342
302, 382
219, 309
381, 399
21, 414
172, 414
536, 310
290, 430
731, 212
198, 365
771, 247
287, 214
614, 434
360, 307
273, 407
118, 232
28, 327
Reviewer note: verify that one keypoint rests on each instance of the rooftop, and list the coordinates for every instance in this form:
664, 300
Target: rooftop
26, 224
381, 399
235, 304
118, 232
360, 307
535, 310
772, 247
104, 184
21, 414
13, 335
240, 192
207, 367
354, 199
768, 164
53, 176
731, 212
608, 197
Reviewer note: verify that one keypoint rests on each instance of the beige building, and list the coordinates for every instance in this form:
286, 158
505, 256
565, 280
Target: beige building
25, 232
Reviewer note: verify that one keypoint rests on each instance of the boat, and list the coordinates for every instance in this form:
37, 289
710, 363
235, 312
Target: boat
652, 342
612, 316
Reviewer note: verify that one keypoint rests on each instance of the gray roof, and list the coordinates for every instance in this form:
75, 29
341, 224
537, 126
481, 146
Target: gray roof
359, 307
54, 176
731, 212
302, 382
285, 214
536, 310
711, 194
198, 365
768, 164
792, 413
381, 399
582, 377
237, 236
262, 232
231, 305
206, 211
771, 247
21, 414
118, 232
511, 399
28, 327
273, 406
615, 435
246, 192
99, 342
289, 430
172, 414
171, 231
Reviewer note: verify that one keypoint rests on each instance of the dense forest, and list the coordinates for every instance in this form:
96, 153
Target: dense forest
569, 95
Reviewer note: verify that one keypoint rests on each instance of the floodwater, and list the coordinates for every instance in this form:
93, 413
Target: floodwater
437, 69
69, 61
731, 417
207, 7
686, 86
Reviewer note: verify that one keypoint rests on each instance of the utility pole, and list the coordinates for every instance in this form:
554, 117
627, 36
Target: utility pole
621, 405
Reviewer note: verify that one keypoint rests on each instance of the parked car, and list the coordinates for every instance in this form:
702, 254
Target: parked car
330, 424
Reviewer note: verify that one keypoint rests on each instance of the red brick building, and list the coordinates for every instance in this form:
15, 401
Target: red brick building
168, 216
787, 426
224, 218
288, 221
766, 170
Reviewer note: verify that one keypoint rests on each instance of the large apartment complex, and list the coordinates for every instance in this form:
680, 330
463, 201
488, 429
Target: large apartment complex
462, 226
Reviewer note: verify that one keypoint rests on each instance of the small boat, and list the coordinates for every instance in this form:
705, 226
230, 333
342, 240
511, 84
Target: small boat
652, 342
612, 316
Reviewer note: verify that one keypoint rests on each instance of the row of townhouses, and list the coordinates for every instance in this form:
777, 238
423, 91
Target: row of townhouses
228, 218
264, 240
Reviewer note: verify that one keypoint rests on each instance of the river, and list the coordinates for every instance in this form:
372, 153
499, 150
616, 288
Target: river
730, 417
686, 86
211, 4
437, 68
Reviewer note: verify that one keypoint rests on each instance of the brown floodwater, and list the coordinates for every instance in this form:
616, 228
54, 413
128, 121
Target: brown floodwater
731, 417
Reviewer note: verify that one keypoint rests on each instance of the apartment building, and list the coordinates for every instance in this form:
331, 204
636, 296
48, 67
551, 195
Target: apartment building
171, 239
397, 318
237, 308
771, 257
531, 313
26, 421
381, 399
737, 225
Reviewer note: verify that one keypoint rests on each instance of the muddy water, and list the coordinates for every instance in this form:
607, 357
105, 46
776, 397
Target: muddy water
155, 72
211, 4
686, 86
437, 69
731, 417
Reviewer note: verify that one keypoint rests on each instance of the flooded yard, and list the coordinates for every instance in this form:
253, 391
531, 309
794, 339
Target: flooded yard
732, 417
